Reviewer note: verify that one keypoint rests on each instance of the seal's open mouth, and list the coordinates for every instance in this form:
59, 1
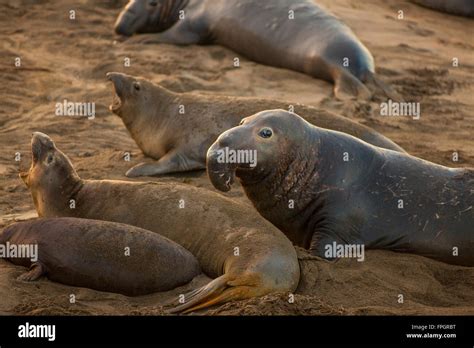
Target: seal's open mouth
116, 102
116, 80
35, 149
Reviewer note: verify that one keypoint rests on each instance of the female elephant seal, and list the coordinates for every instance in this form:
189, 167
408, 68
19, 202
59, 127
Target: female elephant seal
291, 34
93, 254
179, 140
247, 255
326, 190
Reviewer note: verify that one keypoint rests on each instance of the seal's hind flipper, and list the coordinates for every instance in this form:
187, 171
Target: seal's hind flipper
197, 296
379, 85
35, 272
229, 294
347, 86
219, 290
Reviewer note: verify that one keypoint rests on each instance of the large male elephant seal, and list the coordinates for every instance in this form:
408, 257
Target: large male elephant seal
247, 255
100, 255
456, 7
178, 128
291, 34
325, 188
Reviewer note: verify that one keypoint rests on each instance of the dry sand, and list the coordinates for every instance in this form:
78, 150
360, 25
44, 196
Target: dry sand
64, 59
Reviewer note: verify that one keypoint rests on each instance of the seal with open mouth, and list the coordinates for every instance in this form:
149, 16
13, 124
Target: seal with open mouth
179, 141
322, 187
246, 254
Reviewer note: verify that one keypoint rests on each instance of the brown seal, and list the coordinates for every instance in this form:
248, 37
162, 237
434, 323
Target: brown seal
177, 128
245, 254
100, 255
324, 188
291, 34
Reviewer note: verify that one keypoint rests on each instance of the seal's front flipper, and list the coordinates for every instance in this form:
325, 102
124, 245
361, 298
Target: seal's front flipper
347, 86
35, 272
176, 35
170, 163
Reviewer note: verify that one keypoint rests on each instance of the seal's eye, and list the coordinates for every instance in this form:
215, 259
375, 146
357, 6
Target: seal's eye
153, 3
242, 122
265, 133
136, 86
50, 159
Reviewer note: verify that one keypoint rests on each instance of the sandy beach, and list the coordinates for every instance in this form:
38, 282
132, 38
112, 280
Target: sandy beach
68, 59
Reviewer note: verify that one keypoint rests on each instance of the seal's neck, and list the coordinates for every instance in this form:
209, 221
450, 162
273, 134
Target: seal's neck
152, 116
169, 14
58, 200
283, 194
312, 183
297, 188
276, 188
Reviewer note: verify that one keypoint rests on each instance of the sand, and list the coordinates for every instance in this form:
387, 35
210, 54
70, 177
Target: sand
68, 59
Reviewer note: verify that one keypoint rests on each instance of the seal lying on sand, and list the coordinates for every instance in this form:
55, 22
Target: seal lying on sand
247, 255
456, 7
180, 141
291, 34
92, 254
322, 187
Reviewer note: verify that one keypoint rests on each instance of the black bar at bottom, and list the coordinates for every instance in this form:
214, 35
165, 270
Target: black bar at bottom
256, 330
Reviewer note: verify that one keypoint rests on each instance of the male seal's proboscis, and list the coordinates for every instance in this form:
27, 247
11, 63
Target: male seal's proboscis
322, 187
93, 254
291, 34
179, 141
246, 254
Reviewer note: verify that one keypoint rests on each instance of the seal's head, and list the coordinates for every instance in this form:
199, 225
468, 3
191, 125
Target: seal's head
51, 176
148, 16
132, 95
262, 145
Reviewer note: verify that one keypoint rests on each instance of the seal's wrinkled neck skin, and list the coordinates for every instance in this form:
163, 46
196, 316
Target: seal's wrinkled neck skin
148, 16
52, 180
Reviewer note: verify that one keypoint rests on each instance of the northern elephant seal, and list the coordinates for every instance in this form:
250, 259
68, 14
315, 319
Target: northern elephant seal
291, 34
93, 254
177, 128
325, 188
456, 7
246, 254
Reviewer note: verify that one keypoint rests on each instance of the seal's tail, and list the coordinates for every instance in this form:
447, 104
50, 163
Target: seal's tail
219, 290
